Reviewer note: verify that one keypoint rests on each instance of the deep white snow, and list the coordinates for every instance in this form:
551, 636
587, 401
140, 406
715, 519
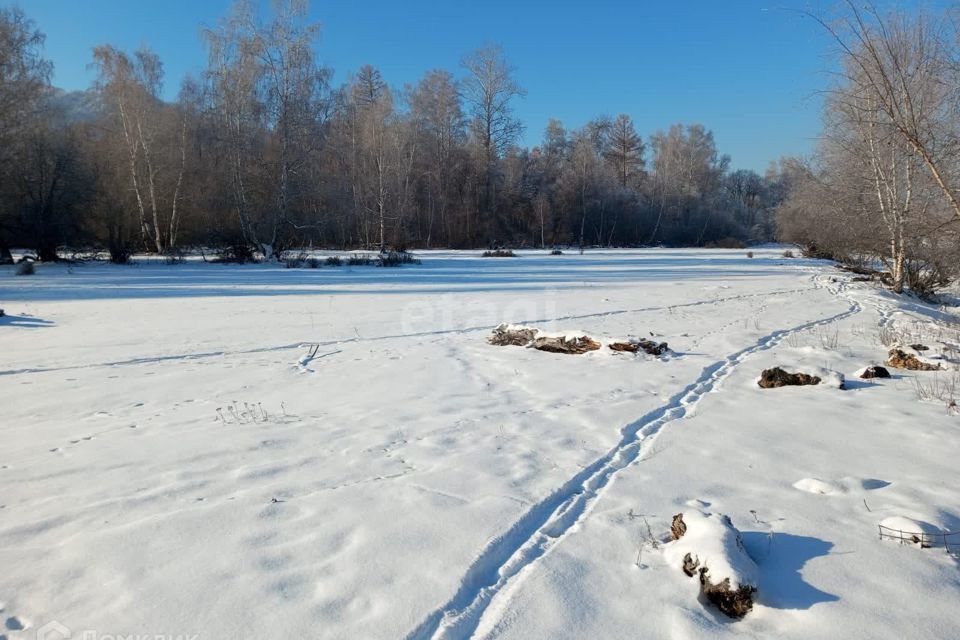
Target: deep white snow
260, 452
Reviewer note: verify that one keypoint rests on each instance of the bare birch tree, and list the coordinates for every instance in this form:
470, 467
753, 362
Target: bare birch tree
131, 88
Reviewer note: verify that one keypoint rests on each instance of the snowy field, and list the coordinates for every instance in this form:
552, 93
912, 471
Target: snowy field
174, 462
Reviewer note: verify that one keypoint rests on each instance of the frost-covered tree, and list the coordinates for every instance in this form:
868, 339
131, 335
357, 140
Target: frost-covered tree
24, 78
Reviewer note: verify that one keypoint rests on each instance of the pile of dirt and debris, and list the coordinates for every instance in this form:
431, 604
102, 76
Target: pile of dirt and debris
900, 359
647, 346
777, 377
520, 336
509, 336
571, 343
575, 345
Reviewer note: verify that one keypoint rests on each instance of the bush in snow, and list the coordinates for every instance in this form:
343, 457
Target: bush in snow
301, 261
119, 255
556, 252
749, 254
295, 262
334, 261
25, 268
788, 253
236, 254
499, 253
725, 243
359, 260
395, 259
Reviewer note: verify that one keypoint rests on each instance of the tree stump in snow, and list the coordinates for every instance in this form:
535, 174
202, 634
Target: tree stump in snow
710, 547
734, 602
875, 371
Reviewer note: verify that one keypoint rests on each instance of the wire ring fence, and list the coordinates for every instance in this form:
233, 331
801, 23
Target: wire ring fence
948, 540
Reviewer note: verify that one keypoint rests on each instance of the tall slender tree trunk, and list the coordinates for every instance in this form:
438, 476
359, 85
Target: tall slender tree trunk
174, 213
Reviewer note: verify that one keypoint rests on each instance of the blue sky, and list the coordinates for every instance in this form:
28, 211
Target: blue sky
747, 69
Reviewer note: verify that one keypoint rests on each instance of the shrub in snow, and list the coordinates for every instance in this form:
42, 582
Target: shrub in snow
334, 261
236, 254
359, 260
25, 268
788, 253
119, 255
708, 546
499, 253
725, 243
396, 258
556, 252
749, 254
900, 359
300, 261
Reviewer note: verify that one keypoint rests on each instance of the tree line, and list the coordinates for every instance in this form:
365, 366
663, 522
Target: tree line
262, 153
884, 184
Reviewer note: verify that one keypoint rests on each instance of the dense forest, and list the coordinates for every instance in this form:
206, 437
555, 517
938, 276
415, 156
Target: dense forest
261, 153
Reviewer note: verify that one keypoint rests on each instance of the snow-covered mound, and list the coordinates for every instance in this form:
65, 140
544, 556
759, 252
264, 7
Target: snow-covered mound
815, 485
712, 541
904, 529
